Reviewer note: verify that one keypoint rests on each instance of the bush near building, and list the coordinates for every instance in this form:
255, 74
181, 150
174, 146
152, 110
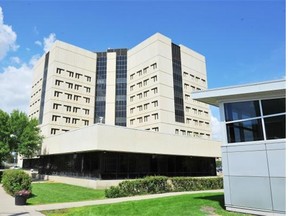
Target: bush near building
16, 180
162, 184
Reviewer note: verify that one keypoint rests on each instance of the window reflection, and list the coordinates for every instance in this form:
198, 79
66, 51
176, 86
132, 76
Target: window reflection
245, 122
245, 131
241, 110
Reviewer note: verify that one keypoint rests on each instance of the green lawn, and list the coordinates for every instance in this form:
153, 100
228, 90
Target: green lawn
44, 193
192, 204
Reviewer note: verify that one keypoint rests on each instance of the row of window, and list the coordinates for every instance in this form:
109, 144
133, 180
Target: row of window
71, 96
56, 130
73, 74
144, 83
197, 122
193, 88
144, 94
35, 93
145, 118
191, 133
37, 83
69, 108
35, 102
32, 114
153, 129
70, 85
196, 111
144, 106
144, 71
193, 77
57, 118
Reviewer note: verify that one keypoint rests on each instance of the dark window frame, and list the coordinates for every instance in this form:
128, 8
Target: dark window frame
269, 121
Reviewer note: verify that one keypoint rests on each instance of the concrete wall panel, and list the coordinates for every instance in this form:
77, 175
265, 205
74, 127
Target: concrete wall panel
250, 192
248, 163
278, 187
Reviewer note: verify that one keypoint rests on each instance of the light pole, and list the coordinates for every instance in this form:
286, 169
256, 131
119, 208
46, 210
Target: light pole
14, 153
14, 156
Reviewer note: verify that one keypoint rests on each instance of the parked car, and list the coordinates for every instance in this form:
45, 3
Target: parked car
15, 167
219, 169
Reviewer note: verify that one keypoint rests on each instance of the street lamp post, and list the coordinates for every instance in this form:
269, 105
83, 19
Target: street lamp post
14, 153
14, 156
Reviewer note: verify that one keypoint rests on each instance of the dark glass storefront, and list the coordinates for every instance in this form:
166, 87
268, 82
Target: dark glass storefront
117, 165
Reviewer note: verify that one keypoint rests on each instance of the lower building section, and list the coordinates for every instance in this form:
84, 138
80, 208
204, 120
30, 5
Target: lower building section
254, 177
119, 165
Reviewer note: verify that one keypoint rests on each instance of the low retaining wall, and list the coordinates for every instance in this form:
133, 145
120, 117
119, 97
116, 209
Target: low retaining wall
83, 182
89, 183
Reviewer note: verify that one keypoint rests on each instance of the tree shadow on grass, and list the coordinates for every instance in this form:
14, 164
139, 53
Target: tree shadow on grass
214, 198
31, 196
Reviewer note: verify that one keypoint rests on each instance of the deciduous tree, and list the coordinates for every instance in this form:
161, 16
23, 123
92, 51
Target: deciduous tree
19, 134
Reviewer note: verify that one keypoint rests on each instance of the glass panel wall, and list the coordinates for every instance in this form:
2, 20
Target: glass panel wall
118, 165
255, 120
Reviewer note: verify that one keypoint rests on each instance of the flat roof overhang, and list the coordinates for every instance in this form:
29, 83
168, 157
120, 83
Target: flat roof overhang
101, 137
233, 93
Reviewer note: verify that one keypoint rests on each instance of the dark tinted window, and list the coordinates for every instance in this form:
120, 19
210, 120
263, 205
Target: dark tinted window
244, 131
241, 110
273, 106
177, 84
275, 127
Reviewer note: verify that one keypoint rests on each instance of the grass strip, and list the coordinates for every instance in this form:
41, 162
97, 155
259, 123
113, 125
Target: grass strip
189, 204
45, 193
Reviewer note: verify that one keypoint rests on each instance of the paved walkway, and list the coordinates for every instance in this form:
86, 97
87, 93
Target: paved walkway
8, 207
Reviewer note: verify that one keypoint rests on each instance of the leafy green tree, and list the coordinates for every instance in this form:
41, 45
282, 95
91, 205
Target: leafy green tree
19, 134
4, 136
219, 163
30, 139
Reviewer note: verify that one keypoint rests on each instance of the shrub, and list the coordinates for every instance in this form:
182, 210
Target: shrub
157, 184
160, 184
113, 192
195, 184
148, 185
16, 180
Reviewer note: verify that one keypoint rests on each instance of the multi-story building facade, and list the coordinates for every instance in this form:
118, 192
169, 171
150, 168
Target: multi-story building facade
147, 87
162, 76
117, 100
63, 92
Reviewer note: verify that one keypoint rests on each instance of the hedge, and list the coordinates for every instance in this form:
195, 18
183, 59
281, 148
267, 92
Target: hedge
162, 184
16, 180
196, 184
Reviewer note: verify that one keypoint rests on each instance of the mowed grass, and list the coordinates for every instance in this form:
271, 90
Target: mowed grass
45, 193
189, 204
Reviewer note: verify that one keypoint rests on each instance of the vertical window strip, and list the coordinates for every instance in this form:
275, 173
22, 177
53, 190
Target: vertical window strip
43, 88
177, 84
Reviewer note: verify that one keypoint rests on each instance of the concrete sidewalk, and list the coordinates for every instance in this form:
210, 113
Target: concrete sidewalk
8, 208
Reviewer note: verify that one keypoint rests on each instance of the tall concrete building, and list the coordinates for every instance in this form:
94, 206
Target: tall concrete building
122, 113
147, 87
161, 77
